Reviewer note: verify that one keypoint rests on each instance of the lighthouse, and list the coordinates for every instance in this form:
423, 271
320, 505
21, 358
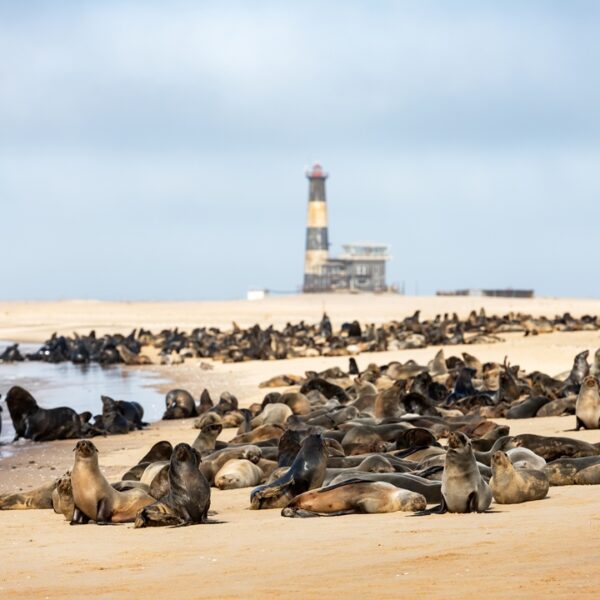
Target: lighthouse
317, 239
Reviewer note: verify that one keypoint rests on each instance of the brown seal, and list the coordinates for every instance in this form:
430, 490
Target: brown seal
40, 497
354, 496
62, 497
94, 498
587, 407
513, 486
238, 473
188, 499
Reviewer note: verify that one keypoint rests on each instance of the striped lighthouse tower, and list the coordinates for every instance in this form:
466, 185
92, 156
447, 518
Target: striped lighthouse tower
317, 242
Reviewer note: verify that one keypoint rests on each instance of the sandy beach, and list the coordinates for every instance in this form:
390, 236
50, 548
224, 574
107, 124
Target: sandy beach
536, 549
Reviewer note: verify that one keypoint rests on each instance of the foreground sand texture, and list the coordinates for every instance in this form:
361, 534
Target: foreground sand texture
539, 549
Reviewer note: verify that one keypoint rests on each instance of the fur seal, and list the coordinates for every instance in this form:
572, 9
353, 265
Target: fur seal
94, 498
587, 407
238, 473
188, 499
306, 472
550, 448
354, 496
463, 487
207, 438
40, 497
564, 471
180, 405
588, 476
431, 490
40, 424
512, 486
113, 421
62, 497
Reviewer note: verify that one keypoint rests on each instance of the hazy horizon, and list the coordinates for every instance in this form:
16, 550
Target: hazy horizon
157, 151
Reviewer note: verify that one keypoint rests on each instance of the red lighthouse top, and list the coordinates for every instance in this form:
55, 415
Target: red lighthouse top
316, 172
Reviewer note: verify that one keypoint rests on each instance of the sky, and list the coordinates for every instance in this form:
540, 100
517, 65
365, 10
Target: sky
157, 150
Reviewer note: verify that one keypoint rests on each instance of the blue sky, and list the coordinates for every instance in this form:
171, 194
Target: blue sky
154, 150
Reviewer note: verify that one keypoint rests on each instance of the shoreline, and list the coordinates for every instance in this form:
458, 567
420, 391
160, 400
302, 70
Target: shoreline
533, 549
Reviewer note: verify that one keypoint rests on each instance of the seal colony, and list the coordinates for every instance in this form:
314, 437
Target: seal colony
386, 438
294, 340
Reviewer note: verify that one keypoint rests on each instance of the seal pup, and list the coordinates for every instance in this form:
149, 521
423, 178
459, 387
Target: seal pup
463, 488
587, 407
94, 498
512, 486
62, 497
306, 472
354, 496
188, 499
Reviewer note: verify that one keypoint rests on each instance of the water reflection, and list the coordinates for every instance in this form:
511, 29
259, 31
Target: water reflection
79, 387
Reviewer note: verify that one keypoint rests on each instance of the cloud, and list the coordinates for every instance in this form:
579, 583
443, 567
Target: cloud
156, 150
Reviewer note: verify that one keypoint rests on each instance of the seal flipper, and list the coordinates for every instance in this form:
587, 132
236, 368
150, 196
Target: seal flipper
473, 503
275, 490
103, 515
440, 509
79, 518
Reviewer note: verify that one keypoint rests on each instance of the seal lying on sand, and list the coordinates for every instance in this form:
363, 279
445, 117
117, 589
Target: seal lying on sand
94, 498
40, 497
354, 496
306, 472
512, 486
188, 499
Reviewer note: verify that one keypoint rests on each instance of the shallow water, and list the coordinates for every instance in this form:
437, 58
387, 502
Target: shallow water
76, 386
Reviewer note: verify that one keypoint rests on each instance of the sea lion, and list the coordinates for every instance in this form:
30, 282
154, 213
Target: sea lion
180, 405
238, 473
587, 408
463, 487
94, 498
306, 472
188, 499
512, 486
40, 424
354, 496
38, 498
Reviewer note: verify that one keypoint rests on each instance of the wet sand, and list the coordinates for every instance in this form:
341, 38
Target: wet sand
536, 549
